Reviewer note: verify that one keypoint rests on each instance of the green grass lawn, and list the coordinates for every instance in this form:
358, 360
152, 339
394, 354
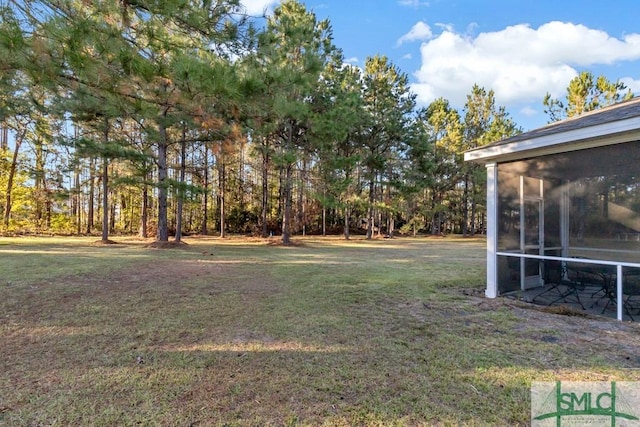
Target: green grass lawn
240, 332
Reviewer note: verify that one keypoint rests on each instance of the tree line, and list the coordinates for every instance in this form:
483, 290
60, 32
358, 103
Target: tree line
185, 116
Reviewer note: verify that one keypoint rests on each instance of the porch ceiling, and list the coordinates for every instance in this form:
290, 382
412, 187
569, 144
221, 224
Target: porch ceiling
612, 160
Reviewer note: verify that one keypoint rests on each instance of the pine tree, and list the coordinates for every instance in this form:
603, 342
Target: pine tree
484, 123
433, 170
293, 50
586, 93
388, 103
339, 116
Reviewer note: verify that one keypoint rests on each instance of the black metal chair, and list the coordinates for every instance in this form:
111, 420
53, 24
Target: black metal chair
599, 279
563, 287
631, 292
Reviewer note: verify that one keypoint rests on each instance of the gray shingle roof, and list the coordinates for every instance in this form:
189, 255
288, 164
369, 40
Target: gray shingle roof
620, 111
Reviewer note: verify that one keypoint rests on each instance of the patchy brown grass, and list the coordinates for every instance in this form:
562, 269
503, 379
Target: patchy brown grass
237, 332
172, 244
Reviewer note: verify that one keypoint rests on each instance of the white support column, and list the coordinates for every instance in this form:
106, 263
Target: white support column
522, 233
619, 295
492, 230
564, 217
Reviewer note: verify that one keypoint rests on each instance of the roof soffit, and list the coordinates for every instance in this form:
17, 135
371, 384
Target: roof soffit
575, 139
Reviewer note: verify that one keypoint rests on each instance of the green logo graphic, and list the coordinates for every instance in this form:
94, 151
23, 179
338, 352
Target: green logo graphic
576, 403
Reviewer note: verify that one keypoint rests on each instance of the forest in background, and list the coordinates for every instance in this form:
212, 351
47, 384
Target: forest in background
164, 118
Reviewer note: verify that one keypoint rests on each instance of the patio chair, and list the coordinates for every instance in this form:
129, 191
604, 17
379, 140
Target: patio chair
599, 280
563, 287
631, 289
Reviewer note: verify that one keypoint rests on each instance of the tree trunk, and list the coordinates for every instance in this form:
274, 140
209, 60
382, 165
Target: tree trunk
4, 137
280, 209
347, 211
92, 196
205, 195
112, 213
12, 173
465, 205
105, 199
48, 205
436, 220
144, 215
163, 226
132, 213
39, 179
222, 170
346, 223
105, 186
473, 213
76, 209
324, 221
370, 213
181, 192
241, 177
301, 210
265, 191
286, 195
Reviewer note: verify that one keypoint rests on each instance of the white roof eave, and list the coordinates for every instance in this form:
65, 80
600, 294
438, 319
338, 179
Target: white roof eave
577, 139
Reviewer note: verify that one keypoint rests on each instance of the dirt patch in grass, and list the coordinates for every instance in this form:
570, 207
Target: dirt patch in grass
104, 242
564, 311
538, 337
618, 342
279, 242
167, 245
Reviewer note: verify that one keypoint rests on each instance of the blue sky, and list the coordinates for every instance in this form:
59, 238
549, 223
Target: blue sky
521, 49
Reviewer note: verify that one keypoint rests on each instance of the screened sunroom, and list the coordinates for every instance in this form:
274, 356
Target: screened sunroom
563, 210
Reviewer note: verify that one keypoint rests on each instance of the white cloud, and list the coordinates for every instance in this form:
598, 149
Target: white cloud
632, 84
528, 111
419, 31
413, 3
445, 27
519, 63
352, 60
258, 7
